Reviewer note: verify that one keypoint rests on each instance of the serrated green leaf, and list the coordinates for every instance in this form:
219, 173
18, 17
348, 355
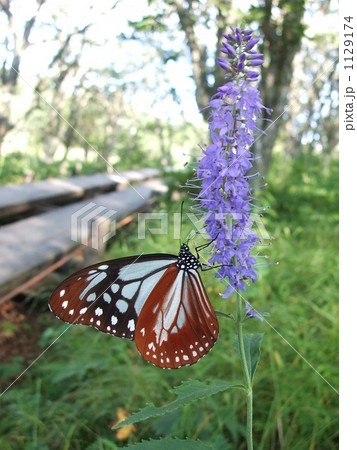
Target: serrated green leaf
188, 392
172, 443
252, 344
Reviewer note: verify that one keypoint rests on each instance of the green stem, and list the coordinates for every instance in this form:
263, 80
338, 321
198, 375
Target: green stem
246, 375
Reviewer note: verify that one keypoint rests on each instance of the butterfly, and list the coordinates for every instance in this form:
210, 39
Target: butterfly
157, 300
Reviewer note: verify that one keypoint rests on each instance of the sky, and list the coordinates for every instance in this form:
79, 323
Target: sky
110, 51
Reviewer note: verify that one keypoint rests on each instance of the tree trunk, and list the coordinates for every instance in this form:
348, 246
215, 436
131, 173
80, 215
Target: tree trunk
282, 40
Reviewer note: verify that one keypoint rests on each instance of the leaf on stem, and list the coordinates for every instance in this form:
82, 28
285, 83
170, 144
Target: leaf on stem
188, 392
252, 342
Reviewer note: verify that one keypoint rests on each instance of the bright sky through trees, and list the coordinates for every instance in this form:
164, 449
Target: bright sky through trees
121, 54
109, 51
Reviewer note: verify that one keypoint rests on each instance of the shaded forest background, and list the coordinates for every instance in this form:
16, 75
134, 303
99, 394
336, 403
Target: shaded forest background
76, 113
86, 86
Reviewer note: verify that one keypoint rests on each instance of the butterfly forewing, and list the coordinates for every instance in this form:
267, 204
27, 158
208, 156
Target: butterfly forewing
177, 325
110, 295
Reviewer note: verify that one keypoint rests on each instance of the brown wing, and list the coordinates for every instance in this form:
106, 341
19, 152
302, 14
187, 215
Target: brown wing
177, 325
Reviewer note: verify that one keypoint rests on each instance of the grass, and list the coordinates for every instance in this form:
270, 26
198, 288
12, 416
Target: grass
69, 398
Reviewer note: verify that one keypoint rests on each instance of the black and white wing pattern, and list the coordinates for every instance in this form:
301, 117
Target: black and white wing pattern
110, 295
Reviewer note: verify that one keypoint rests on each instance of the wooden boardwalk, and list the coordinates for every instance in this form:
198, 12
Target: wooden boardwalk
19, 198
32, 244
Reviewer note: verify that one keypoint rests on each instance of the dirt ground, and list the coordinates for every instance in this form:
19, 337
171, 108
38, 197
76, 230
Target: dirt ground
20, 332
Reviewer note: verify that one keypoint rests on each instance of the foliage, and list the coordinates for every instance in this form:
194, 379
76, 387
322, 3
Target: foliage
252, 343
74, 89
69, 397
145, 144
187, 393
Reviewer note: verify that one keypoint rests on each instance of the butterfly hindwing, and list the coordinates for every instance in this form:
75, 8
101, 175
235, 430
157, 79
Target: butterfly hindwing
110, 295
177, 325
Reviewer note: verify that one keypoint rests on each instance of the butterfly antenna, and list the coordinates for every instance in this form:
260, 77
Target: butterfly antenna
181, 213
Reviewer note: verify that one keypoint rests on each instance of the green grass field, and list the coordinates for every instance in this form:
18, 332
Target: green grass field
69, 398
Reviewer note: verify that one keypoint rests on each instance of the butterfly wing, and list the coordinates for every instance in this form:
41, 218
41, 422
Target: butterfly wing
177, 324
110, 295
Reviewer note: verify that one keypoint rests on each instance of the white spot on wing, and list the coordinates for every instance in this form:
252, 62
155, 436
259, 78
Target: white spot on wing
103, 267
83, 310
107, 298
131, 325
91, 297
114, 320
65, 304
122, 306
115, 288
62, 293
98, 312
130, 289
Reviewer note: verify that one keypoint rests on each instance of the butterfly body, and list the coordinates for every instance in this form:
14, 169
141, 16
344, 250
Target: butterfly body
157, 300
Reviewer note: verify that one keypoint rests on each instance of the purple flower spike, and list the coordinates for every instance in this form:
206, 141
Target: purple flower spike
229, 37
223, 64
238, 36
224, 50
255, 55
225, 193
255, 62
252, 75
240, 66
251, 44
230, 49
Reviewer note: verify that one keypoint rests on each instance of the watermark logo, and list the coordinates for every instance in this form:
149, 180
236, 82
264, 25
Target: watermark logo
93, 225
235, 225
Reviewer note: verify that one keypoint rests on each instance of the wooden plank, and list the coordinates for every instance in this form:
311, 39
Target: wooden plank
30, 244
19, 198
